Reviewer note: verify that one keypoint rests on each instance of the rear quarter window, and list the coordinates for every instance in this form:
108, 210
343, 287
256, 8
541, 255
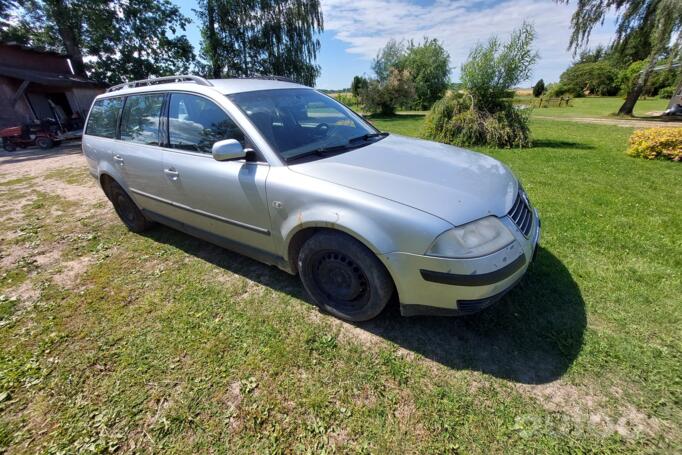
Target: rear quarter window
103, 117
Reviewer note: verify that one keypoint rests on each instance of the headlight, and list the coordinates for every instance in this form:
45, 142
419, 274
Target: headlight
475, 239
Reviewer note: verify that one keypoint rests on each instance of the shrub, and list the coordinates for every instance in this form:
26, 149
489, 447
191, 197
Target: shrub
348, 99
483, 113
539, 88
657, 143
557, 90
666, 93
454, 120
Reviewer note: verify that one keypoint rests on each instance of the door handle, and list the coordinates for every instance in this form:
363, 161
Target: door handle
171, 173
119, 159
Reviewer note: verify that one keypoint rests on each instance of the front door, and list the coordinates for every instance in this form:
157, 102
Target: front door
224, 198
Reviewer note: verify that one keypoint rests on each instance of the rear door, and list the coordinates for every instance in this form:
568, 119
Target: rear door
99, 138
138, 155
225, 198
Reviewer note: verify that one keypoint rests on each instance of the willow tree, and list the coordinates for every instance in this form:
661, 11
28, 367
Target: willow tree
243, 38
652, 23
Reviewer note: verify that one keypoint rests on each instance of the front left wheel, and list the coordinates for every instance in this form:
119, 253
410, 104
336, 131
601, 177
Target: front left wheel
343, 277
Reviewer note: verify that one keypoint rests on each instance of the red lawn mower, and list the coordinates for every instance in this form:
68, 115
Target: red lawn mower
44, 134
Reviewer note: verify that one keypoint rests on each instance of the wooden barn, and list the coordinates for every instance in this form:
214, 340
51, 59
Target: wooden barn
35, 85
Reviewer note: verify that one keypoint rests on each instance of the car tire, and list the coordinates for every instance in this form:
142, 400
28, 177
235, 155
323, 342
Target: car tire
127, 210
343, 277
44, 143
8, 146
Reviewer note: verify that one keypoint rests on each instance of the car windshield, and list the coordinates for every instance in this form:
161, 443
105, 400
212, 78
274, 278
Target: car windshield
300, 123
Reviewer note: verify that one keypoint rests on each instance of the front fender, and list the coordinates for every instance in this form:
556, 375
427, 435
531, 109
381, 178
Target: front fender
357, 225
299, 202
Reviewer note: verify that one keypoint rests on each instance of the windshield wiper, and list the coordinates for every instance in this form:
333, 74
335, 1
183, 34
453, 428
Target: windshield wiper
328, 151
322, 151
367, 137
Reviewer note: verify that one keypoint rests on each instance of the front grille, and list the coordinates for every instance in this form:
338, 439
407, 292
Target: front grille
521, 214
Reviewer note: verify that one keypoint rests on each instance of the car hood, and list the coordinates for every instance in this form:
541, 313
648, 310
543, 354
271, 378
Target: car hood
449, 182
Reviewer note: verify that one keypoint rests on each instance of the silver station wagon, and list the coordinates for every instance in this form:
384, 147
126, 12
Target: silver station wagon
285, 174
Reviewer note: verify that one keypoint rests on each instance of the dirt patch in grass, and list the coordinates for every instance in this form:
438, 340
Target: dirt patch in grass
87, 194
34, 162
585, 407
26, 293
70, 272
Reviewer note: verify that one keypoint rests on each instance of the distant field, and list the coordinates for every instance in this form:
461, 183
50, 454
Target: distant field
599, 107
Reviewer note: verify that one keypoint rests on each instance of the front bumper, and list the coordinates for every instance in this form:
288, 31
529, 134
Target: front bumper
441, 286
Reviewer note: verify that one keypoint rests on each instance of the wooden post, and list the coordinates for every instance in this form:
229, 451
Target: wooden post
20, 91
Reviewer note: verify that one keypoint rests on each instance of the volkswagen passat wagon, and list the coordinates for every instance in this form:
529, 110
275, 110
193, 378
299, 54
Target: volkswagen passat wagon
285, 174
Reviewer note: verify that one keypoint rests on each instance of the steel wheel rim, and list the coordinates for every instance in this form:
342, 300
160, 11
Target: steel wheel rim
340, 279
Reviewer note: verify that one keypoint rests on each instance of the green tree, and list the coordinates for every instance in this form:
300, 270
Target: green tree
384, 97
599, 78
539, 88
429, 65
388, 57
358, 85
122, 39
493, 69
141, 42
243, 38
642, 24
6, 7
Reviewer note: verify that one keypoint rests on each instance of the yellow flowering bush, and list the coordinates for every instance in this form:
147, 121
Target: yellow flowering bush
653, 143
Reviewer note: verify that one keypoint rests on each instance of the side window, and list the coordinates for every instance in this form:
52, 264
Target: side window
103, 117
195, 124
140, 119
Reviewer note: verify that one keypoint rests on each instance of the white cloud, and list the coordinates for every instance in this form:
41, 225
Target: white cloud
366, 25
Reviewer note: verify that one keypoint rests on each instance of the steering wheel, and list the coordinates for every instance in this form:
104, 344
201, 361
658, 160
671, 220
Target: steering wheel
321, 130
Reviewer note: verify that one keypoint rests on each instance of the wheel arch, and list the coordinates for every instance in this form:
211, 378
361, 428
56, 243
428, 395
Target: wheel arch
105, 181
302, 232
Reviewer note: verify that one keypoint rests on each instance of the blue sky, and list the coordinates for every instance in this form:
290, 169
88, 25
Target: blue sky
356, 30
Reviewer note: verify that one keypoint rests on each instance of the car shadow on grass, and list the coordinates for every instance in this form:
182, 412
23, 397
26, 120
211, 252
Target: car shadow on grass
531, 336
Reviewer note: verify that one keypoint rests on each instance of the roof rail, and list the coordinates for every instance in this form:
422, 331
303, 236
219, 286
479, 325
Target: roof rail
272, 78
160, 80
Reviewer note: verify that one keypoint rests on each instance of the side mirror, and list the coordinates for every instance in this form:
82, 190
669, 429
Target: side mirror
229, 149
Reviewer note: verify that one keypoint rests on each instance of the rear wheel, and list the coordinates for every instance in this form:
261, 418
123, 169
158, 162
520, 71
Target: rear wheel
343, 277
44, 143
127, 210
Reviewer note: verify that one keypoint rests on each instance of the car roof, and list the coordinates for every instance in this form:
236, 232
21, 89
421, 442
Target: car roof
223, 86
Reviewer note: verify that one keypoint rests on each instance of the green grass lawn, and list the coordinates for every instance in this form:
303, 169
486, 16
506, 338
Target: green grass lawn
599, 107
165, 344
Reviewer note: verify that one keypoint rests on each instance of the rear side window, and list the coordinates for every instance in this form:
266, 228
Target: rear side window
195, 124
103, 117
140, 119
